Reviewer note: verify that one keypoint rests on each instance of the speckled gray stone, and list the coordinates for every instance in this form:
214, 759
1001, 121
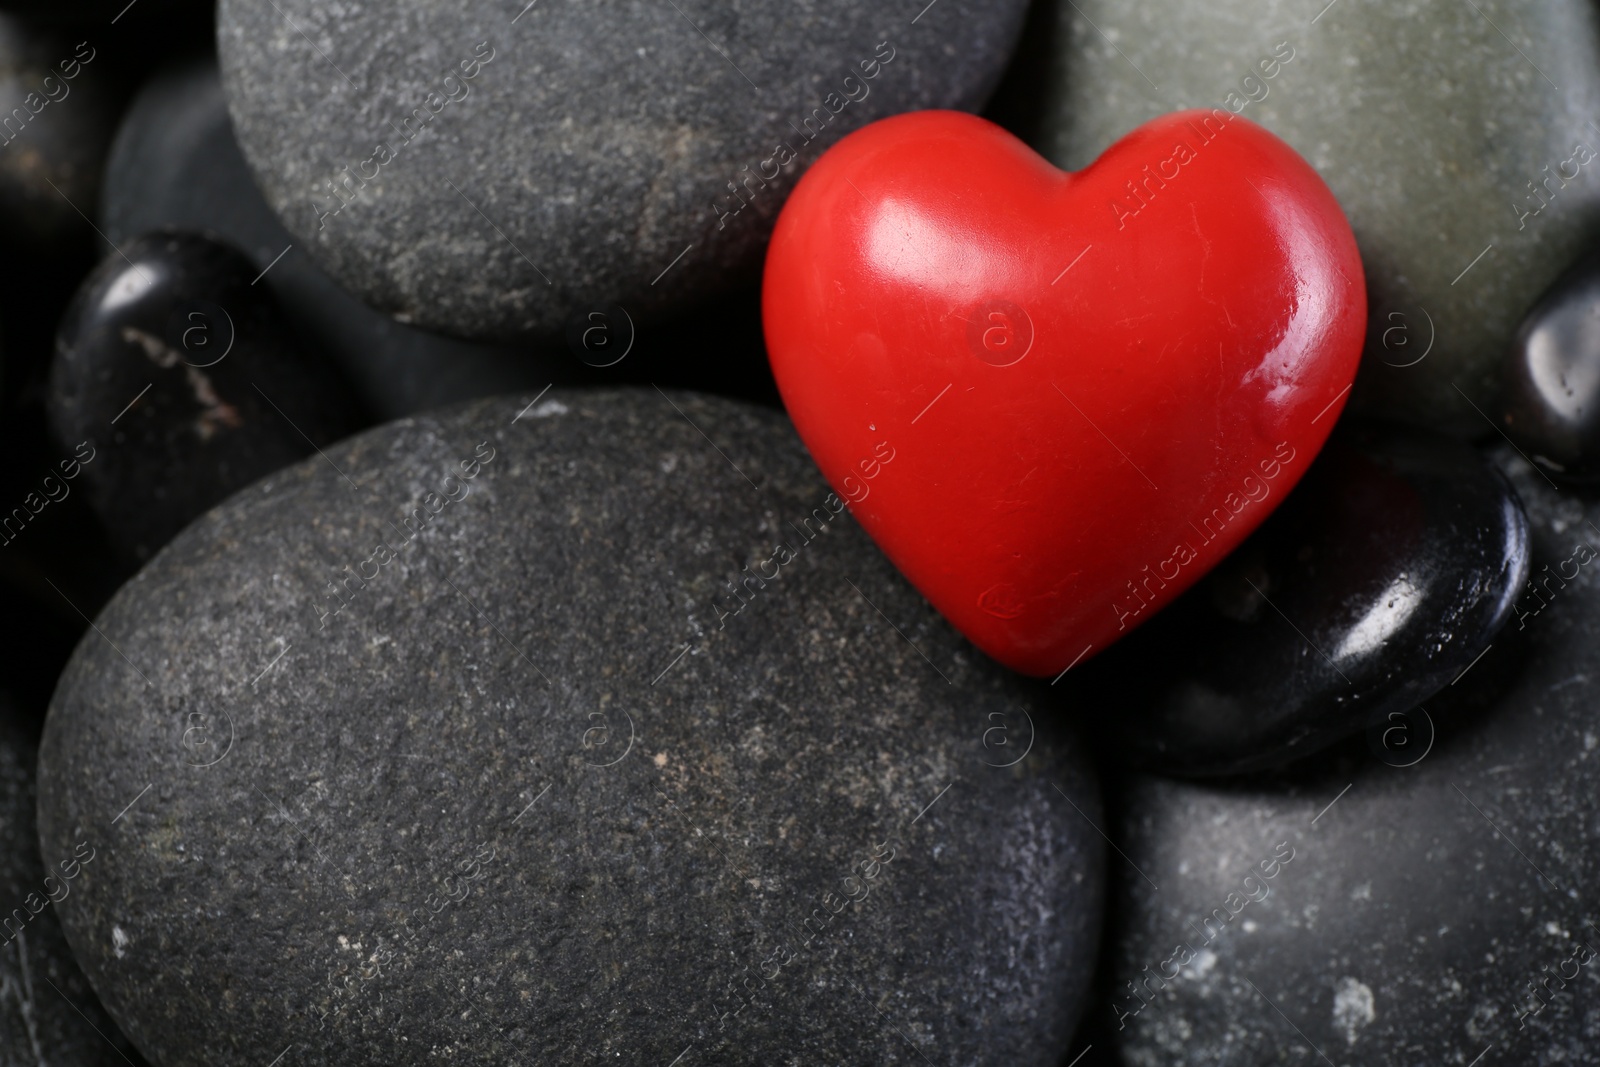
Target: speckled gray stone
1429, 124
590, 147
533, 790
1421, 903
48, 1014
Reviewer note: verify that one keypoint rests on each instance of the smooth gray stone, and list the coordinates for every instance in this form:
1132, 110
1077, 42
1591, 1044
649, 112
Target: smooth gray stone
589, 147
1429, 125
48, 1013
1551, 407
540, 788
175, 163
1422, 904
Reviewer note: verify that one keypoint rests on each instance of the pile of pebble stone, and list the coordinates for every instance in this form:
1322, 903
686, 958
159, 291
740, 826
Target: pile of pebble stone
386, 415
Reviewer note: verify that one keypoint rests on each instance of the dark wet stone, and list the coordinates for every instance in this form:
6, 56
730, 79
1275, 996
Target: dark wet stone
1552, 377
1455, 137
1386, 573
1423, 902
48, 1013
510, 168
58, 109
539, 787
175, 384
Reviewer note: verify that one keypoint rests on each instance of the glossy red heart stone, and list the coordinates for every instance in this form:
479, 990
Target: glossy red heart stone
1058, 399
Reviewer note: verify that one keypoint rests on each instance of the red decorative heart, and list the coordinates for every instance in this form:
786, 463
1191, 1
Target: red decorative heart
1057, 399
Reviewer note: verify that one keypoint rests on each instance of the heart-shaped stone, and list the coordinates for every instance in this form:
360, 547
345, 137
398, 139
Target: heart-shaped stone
1057, 399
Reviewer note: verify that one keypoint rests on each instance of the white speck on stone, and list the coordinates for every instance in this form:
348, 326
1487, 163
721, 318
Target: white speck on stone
1553, 929
548, 408
1352, 1008
1589, 741
119, 942
1249, 926
661, 759
1204, 962
1362, 892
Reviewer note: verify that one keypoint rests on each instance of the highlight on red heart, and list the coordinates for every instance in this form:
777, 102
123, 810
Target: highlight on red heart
1084, 373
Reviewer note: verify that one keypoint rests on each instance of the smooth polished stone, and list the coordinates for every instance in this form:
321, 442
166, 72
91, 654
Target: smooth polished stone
1552, 379
1385, 575
175, 383
489, 171
1469, 178
1432, 913
48, 1013
58, 110
565, 732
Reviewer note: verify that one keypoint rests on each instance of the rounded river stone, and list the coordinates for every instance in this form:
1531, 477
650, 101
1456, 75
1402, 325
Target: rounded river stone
1458, 138
184, 372
1383, 576
510, 734
1552, 384
1437, 909
48, 1013
487, 170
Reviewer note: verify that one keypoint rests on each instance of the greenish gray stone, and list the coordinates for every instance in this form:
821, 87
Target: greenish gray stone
536, 787
1428, 119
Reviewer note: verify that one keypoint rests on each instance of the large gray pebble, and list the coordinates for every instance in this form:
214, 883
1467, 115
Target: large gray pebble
533, 790
512, 164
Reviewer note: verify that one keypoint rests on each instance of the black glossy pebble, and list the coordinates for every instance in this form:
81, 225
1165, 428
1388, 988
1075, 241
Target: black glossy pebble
1438, 913
48, 1013
1552, 377
175, 383
1383, 576
564, 739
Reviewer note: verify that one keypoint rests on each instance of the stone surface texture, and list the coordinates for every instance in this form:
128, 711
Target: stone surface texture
537, 160
534, 785
48, 1013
